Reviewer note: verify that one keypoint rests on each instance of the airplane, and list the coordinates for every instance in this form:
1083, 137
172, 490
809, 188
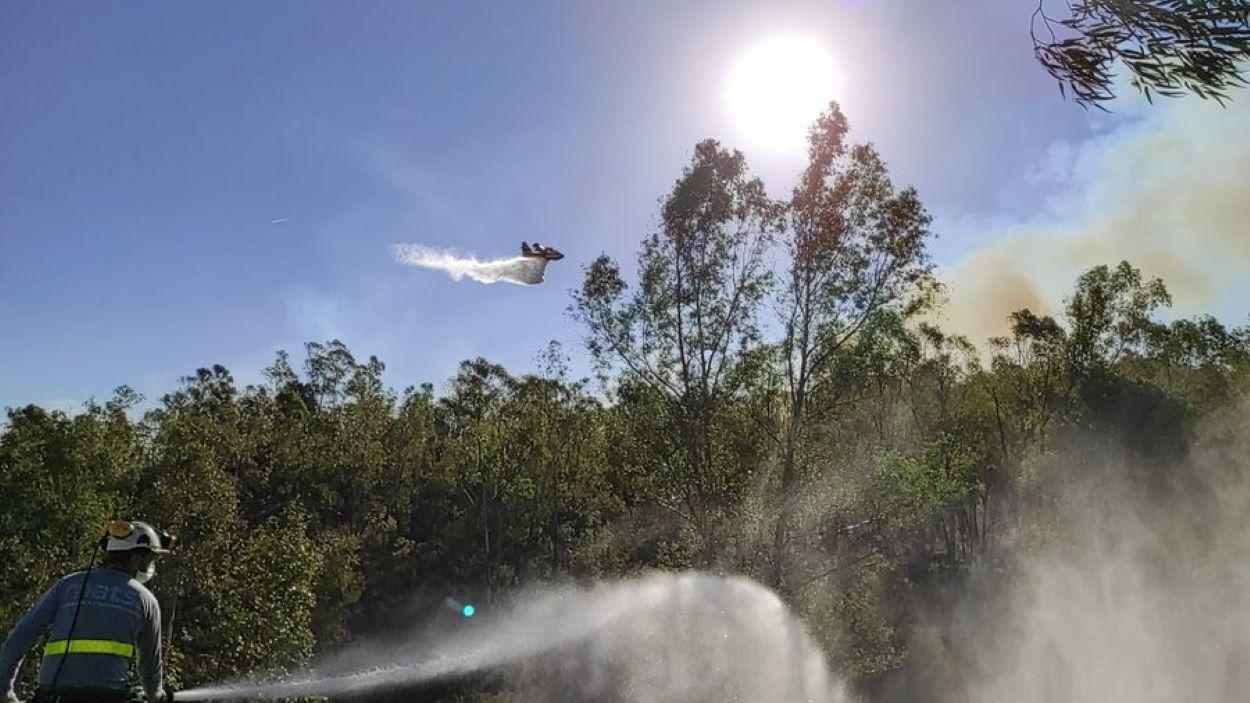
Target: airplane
538, 251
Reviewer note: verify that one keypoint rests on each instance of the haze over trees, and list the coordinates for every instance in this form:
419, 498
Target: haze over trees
773, 400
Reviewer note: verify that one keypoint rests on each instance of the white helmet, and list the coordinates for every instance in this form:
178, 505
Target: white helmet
126, 535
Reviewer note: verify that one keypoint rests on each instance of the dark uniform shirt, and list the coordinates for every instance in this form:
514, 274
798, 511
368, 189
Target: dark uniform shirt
119, 621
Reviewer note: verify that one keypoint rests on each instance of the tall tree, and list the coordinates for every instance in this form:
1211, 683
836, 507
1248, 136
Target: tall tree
856, 258
681, 335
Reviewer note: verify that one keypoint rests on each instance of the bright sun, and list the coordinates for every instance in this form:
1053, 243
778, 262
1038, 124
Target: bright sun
777, 88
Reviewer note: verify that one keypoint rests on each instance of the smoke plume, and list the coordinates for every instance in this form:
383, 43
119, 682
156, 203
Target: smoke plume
1131, 588
1165, 191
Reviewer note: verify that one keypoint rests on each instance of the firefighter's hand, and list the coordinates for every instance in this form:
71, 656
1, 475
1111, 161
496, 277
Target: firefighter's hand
139, 694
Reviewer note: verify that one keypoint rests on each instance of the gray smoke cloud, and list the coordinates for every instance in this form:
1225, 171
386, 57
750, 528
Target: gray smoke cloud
518, 269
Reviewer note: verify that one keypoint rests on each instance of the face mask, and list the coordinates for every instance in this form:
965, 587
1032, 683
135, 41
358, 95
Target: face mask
147, 574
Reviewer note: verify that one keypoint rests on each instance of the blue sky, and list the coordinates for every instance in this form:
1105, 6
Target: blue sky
146, 148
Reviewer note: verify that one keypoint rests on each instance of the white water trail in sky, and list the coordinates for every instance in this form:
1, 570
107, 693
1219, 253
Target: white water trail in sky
665, 637
518, 269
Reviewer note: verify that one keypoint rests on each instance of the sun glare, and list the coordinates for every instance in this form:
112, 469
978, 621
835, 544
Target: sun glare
777, 88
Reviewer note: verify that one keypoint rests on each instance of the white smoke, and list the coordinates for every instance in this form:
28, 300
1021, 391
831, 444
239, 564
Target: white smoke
518, 269
1134, 590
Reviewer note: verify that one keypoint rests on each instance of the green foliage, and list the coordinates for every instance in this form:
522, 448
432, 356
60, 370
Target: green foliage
681, 337
265, 624
311, 505
858, 633
862, 462
1169, 46
856, 270
61, 479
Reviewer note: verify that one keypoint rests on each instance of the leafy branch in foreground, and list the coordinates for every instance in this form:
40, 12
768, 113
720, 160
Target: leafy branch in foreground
1171, 47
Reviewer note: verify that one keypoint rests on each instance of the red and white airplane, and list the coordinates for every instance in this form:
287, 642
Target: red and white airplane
538, 251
